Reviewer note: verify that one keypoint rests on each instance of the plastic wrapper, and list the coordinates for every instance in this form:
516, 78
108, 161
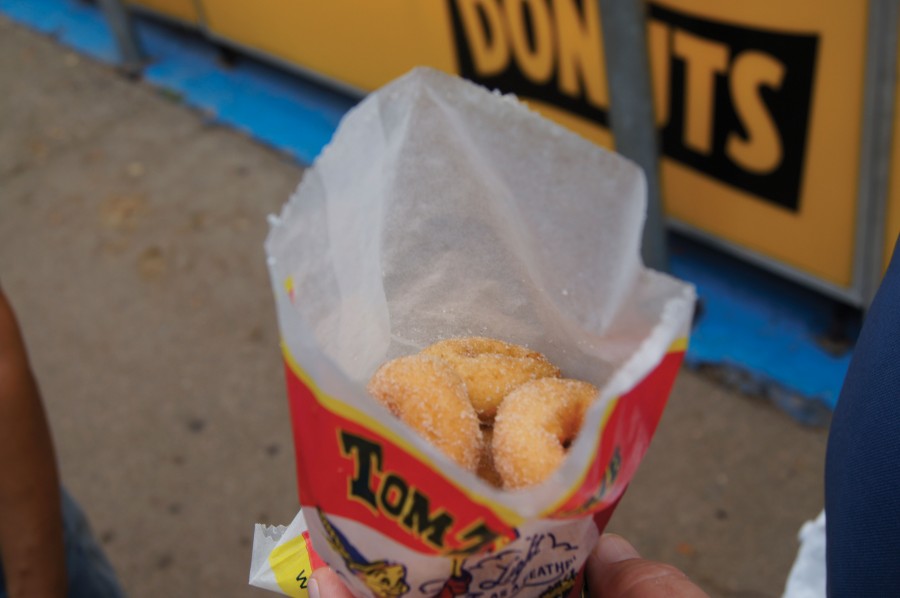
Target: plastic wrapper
809, 573
443, 210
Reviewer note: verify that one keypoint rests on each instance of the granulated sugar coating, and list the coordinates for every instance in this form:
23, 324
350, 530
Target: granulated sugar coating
534, 426
487, 471
491, 369
428, 395
535, 414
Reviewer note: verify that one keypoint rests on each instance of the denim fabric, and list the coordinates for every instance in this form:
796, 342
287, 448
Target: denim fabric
90, 574
862, 472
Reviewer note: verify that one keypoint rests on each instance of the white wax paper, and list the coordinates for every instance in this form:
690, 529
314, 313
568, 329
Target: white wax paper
435, 213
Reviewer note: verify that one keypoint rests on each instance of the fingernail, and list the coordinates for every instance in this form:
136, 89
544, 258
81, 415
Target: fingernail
613, 548
313, 588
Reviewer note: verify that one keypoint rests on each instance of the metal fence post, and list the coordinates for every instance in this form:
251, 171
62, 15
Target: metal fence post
624, 24
121, 23
875, 152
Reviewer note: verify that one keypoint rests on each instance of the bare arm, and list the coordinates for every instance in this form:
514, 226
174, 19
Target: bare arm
31, 530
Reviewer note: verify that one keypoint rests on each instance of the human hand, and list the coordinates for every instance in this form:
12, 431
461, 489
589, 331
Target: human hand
325, 583
615, 570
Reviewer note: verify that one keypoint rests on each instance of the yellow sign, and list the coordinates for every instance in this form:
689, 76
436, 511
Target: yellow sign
892, 222
180, 10
759, 104
761, 109
363, 44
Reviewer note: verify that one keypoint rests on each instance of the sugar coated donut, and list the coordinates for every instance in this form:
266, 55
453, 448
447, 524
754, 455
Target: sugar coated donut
534, 427
428, 395
487, 471
491, 369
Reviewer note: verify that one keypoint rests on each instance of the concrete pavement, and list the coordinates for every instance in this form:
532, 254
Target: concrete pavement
131, 234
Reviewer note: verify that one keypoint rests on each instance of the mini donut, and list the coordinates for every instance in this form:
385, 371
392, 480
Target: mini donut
534, 427
491, 369
487, 471
428, 395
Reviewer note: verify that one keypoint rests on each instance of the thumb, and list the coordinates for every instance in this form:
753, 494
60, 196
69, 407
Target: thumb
325, 583
616, 570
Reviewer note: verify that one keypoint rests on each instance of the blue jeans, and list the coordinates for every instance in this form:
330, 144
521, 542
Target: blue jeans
90, 574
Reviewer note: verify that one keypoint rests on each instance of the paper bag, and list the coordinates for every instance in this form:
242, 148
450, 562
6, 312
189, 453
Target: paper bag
443, 210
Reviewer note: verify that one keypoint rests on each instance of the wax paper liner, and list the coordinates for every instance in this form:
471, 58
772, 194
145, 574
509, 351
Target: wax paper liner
441, 210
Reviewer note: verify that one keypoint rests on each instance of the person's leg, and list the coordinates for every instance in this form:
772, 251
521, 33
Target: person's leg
90, 574
862, 472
